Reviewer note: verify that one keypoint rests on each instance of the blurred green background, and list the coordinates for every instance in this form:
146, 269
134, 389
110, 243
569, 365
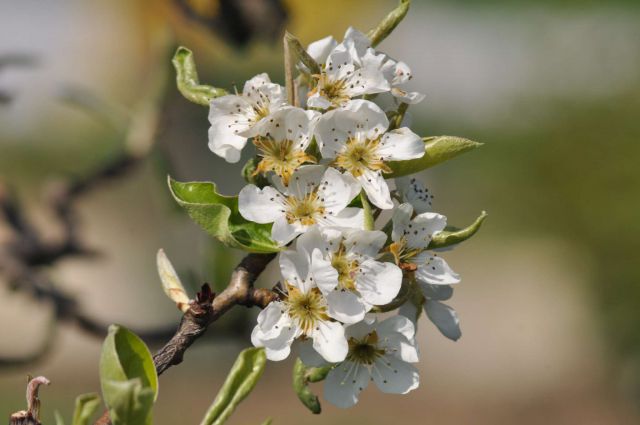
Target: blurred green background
550, 298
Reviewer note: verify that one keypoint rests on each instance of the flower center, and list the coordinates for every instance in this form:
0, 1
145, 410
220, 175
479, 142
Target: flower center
306, 309
281, 157
305, 210
333, 90
402, 253
365, 351
360, 155
347, 269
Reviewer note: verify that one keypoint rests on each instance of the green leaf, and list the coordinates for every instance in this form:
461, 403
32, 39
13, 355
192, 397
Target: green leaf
451, 235
242, 378
436, 150
129, 402
58, 417
369, 221
128, 377
389, 23
302, 376
188, 82
268, 421
86, 406
220, 217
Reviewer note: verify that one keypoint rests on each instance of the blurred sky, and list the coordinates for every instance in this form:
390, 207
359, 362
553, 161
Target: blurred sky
549, 296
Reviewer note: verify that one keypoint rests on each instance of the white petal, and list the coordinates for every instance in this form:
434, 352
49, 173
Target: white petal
410, 97
366, 115
396, 325
401, 144
329, 341
397, 333
345, 306
260, 205
319, 50
294, 267
229, 117
263, 93
377, 189
445, 318
436, 292
324, 275
337, 190
367, 80
287, 124
359, 40
394, 376
344, 383
323, 238
330, 135
436, 271
401, 219
282, 232
318, 101
416, 193
305, 180
308, 355
367, 243
378, 283
278, 353
411, 312
418, 233
349, 217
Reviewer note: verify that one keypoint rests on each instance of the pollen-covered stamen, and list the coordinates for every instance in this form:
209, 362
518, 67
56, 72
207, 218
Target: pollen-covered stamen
306, 211
359, 155
306, 309
403, 254
333, 90
282, 157
346, 267
366, 350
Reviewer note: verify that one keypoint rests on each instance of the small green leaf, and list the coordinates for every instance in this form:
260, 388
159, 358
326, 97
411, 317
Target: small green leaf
451, 235
300, 53
436, 150
128, 377
389, 23
242, 378
188, 82
58, 418
86, 406
369, 221
219, 216
268, 421
129, 402
302, 375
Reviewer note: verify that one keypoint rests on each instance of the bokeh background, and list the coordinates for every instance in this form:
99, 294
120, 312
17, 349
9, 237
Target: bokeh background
550, 298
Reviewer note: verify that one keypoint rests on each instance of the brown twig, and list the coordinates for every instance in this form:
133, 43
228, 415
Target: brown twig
31, 416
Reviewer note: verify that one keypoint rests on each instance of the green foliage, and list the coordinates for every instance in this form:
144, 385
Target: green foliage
302, 376
220, 217
242, 378
436, 150
389, 23
128, 377
188, 82
86, 406
452, 235
369, 221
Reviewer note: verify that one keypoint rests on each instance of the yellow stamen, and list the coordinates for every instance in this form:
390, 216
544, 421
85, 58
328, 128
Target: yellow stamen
361, 155
306, 309
365, 350
306, 210
282, 157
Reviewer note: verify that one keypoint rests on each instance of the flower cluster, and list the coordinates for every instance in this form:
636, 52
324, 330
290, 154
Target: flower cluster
325, 160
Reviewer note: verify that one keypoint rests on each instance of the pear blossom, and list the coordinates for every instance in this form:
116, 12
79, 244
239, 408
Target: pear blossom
356, 140
411, 238
440, 314
302, 312
282, 140
343, 76
414, 192
315, 196
233, 117
381, 352
346, 271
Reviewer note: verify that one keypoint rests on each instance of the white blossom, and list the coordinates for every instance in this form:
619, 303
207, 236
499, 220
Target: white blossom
302, 312
411, 237
282, 139
315, 196
344, 75
381, 352
356, 140
346, 271
443, 316
233, 117
416, 193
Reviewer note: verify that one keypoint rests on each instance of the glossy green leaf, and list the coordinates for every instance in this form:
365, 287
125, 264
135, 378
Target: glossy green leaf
436, 150
242, 378
188, 82
389, 23
86, 406
128, 377
129, 402
220, 217
302, 376
451, 235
